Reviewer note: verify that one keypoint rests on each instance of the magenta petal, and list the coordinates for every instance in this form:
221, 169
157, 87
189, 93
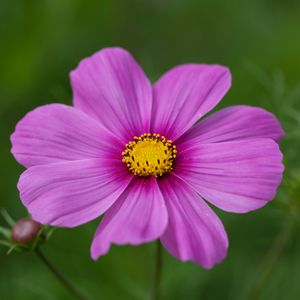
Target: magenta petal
68, 194
55, 132
234, 123
237, 176
194, 231
111, 87
185, 94
138, 216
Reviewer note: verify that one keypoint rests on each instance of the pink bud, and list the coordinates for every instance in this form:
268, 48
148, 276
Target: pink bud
25, 230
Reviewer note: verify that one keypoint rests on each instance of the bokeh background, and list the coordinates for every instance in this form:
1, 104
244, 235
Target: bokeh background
42, 40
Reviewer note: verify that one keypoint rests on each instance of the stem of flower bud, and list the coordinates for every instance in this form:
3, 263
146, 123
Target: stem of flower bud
65, 282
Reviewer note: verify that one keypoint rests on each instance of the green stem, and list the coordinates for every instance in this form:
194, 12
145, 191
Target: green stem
66, 283
157, 272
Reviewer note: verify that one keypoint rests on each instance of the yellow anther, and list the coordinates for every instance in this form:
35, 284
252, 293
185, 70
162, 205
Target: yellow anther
149, 154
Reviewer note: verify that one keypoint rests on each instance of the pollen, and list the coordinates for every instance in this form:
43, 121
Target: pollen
149, 154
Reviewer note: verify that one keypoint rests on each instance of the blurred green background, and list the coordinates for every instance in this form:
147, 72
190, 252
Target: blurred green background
42, 40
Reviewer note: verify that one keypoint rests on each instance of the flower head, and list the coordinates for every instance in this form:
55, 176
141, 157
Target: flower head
136, 153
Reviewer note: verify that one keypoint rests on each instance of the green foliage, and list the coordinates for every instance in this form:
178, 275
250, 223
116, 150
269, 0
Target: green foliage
41, 41
42, 235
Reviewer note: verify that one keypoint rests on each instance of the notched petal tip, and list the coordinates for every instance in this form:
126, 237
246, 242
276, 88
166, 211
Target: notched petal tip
111, 87
234, 123
186, 93
68, 194
194, 232
236, 176
104, 51
138, 216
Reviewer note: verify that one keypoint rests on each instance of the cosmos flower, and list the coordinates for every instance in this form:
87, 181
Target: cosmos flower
136, 153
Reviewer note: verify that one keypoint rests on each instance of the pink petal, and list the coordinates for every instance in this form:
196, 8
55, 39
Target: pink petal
54, 133
234, 123
111, 87
194, 231
236, 176
185, 94
71, 193
138, 216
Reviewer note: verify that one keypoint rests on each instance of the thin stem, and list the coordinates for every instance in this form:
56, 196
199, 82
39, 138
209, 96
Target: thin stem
157, 272
65, 282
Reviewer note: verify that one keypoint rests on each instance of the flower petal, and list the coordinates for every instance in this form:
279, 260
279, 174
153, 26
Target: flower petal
111, 87
138, 216
71, 193
185, 94
55, 132
236, 176
194, 231
235, 123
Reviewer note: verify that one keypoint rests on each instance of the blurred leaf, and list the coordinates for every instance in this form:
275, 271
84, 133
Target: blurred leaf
9, 220
5, 232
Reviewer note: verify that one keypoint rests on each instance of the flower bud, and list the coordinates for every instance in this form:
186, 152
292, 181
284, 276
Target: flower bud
25, 230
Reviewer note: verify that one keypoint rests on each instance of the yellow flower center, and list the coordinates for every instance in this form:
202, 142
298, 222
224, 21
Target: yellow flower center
149, 154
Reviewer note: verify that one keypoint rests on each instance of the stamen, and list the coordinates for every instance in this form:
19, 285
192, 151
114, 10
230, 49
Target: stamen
149, 154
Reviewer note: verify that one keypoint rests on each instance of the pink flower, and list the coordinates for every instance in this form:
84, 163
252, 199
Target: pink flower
135, 152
